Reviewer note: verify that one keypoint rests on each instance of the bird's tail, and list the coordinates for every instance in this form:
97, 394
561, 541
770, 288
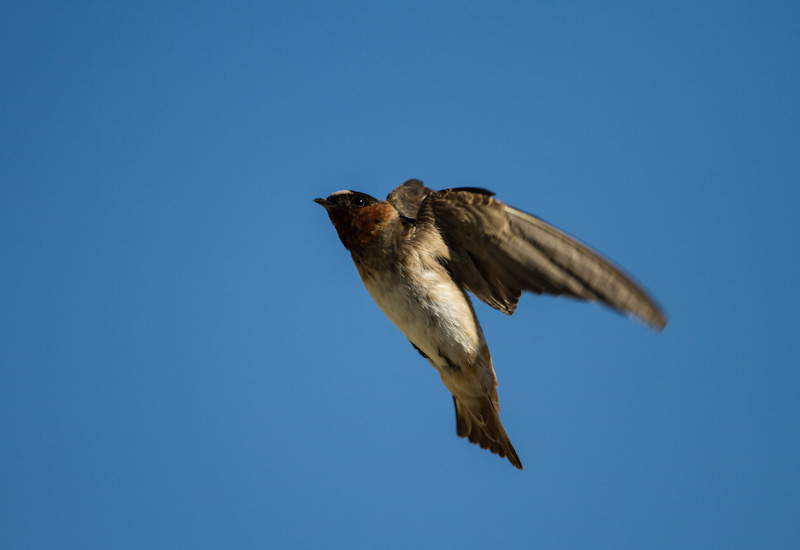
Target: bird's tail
480, 423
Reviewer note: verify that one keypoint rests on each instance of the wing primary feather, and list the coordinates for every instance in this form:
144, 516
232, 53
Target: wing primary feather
497, 251
607, 282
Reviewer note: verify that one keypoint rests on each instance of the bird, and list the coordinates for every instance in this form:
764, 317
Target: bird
420, 252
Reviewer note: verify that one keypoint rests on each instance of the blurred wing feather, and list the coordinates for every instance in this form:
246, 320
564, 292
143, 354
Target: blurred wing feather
497, 251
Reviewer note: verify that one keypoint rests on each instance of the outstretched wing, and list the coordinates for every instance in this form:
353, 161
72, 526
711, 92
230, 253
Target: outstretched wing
497, 251
407, 198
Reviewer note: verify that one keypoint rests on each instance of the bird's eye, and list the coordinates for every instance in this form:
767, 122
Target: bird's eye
358, 201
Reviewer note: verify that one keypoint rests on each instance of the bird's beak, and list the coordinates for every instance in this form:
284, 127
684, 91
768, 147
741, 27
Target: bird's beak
325, 203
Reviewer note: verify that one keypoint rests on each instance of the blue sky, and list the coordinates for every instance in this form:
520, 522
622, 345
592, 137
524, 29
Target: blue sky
189, 359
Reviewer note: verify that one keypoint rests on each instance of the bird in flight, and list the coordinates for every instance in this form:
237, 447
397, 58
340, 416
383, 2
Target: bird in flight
420, 251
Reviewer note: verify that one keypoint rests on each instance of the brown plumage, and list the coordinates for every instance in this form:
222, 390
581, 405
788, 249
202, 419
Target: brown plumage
418, 253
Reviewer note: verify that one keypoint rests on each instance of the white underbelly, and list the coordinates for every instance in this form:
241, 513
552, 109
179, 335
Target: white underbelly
436, 315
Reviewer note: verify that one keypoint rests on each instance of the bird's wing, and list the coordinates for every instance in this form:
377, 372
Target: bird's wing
407, 197
497, 251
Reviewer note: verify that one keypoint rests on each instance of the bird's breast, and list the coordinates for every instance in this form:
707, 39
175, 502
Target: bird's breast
422, 300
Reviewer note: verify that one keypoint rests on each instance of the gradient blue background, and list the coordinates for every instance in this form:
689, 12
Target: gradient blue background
189, 359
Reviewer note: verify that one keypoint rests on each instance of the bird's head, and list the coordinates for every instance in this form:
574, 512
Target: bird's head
358, 218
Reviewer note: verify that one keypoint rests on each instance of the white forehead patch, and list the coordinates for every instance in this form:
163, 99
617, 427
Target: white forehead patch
342, 192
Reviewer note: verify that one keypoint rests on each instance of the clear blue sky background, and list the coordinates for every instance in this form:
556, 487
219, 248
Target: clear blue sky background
189, 359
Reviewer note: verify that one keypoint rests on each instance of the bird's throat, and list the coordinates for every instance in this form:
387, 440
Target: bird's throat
360, 228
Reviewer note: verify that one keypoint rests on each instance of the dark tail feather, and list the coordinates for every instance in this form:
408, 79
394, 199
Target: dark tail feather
481, 425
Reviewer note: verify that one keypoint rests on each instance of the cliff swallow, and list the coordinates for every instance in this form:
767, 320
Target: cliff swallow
420, 251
